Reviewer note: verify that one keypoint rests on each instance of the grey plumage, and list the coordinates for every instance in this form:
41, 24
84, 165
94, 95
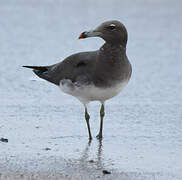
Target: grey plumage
72, 68
105, 68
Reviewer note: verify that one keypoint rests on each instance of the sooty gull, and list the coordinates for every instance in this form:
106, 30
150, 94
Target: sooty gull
95, 75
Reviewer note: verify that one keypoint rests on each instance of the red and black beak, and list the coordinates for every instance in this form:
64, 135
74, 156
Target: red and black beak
91, 33
82, 35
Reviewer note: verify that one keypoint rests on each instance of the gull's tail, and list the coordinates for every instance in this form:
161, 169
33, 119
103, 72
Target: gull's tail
46, 72
41, 71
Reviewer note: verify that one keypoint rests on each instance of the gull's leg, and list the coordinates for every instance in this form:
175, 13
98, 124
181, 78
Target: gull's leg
99, 136
87, 117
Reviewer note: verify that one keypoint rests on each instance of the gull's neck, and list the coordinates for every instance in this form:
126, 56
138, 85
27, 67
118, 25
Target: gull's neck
113, 50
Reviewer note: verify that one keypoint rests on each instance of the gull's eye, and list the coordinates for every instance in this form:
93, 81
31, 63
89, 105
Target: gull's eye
111, 27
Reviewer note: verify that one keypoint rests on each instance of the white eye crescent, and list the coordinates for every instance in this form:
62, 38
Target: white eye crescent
111, 27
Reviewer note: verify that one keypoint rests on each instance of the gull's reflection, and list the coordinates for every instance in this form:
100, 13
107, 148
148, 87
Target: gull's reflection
85, 158
99, 155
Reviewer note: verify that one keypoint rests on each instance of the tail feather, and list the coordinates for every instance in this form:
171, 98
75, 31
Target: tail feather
44, 73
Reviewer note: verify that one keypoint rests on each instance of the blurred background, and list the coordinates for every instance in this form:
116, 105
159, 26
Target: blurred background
142, 125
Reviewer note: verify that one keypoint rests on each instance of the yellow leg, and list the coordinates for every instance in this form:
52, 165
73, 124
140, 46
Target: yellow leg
99, 136
87, 117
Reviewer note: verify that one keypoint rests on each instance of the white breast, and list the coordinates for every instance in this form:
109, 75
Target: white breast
87, 93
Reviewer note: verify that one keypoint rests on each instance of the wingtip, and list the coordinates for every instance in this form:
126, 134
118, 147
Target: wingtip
31, 67
25, 66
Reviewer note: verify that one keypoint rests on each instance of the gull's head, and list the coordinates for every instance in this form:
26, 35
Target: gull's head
113, 32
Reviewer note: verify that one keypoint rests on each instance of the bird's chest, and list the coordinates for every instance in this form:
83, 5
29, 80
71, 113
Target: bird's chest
110, 61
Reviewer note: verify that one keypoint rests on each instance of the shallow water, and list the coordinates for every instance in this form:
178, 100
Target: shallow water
142, 126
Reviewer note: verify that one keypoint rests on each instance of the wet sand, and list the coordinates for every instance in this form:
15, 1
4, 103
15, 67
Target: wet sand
55, 167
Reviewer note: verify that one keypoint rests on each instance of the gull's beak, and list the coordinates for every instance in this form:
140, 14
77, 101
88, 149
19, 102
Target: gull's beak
91, 33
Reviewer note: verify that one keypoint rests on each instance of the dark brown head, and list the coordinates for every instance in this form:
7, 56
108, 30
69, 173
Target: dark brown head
112, 32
